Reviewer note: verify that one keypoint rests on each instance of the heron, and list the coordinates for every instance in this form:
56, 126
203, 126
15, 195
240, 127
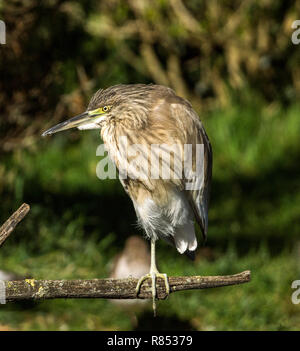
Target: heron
167, 207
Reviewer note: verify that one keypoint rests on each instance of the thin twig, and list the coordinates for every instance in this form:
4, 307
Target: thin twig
7, 228
31, 289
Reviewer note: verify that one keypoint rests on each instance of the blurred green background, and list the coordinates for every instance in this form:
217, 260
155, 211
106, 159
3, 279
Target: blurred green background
234, 60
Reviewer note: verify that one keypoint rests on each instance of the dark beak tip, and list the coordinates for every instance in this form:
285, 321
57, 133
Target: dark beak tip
48, 132
72, 123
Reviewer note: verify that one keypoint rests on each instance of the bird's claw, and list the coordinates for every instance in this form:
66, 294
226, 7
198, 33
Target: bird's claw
153, 275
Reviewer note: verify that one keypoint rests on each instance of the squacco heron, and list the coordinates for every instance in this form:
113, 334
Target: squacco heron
154, 120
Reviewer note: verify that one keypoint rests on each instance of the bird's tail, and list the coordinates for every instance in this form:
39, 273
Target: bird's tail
185, 239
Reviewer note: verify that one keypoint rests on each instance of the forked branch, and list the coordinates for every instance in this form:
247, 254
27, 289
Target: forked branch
7, 228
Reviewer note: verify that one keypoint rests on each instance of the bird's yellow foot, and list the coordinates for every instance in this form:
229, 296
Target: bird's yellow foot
153, 275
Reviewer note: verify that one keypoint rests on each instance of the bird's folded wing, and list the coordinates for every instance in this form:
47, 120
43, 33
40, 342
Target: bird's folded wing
197, 173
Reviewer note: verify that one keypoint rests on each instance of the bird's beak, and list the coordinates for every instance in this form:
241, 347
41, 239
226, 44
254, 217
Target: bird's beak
82, 121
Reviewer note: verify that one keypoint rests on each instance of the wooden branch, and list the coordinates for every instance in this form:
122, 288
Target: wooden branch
7, 228
31, 289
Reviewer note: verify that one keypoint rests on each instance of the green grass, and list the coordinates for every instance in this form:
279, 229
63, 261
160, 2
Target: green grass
78, 223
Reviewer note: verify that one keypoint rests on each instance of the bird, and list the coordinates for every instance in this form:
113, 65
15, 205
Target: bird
6, 275
153, 137
132, 262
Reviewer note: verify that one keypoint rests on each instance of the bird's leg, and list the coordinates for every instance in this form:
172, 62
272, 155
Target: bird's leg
153, 274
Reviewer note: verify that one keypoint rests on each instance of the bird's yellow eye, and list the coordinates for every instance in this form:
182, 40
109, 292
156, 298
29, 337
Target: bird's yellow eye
99, 111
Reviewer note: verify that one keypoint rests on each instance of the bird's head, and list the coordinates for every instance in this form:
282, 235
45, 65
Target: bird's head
98, 111
128, 103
